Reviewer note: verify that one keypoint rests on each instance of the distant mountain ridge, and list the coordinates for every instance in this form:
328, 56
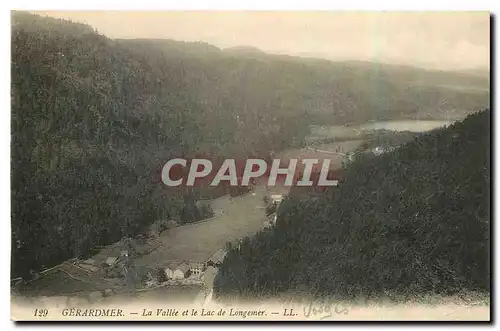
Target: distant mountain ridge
244, 50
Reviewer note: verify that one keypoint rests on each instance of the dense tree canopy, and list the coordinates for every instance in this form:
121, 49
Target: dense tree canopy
409, 222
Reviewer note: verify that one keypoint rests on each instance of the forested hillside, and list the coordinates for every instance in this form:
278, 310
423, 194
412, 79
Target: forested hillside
93, 120
321, 91
91, 124
408, 223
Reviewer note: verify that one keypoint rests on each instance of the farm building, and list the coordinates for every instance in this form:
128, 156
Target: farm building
174, 271
216, 259
196, 268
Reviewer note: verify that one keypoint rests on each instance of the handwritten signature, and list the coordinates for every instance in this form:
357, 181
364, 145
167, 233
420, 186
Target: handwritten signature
324, 309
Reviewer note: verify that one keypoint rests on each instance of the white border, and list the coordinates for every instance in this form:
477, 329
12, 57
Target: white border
259, 5
421, 5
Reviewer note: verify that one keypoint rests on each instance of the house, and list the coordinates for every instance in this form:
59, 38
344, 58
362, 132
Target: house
175, 272
196, 268
216, 259
276, 198
169, 272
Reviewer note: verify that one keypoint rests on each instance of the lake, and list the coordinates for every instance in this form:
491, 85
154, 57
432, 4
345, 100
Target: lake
320, 133
405, 125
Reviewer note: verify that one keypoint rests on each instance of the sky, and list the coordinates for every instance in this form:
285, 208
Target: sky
435, 40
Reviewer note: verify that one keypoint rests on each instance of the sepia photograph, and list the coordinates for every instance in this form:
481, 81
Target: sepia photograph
243, 166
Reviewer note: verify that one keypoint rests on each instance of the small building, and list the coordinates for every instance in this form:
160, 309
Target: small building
276, 198
216, 259
196, 268
169, 272
378, 150
175, 272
